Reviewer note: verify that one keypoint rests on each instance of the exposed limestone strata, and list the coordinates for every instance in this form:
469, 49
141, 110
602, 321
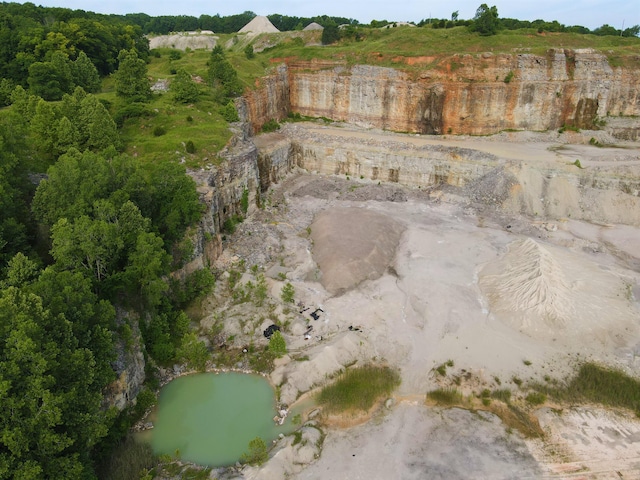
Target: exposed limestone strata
463, 94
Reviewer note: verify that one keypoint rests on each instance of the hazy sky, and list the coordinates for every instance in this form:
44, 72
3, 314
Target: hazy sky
588, 13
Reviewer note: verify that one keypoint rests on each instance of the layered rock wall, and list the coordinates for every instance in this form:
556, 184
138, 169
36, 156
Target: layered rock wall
221, 190
463, 94
270, 100
547, 188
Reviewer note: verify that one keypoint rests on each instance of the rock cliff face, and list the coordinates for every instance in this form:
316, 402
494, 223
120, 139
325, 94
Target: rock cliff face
268, 101
548, 188
466, 94
221, 190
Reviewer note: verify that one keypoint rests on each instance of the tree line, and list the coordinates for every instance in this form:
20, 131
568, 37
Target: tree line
486, 21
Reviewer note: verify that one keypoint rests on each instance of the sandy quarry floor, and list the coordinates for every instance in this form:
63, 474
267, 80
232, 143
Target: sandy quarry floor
500, 297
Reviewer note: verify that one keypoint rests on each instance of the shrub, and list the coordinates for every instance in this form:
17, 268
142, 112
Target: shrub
257, 453
244, 201
288, 292
175, 55
248, 52
270, 126
145, 399
509, 77
231, 223
159, 131
190, 147
277, 345
132, 110
229, 112
193, 352
189, 118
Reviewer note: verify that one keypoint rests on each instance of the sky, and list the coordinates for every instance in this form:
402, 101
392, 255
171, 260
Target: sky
588, 13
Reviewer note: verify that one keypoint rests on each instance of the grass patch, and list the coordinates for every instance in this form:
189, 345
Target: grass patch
445, 396
358, 388
597, 384
127, 460
442, 369
503, 394
536, 398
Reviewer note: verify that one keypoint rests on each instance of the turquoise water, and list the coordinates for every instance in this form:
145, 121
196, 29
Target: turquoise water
210, 418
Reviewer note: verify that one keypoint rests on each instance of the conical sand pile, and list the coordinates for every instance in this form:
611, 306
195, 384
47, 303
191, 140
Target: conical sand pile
550, 293
259, 24
532, 282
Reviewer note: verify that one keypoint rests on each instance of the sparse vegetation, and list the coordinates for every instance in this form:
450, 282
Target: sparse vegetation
288, 293
536, 398
595, 383
442, 368
445, 396
504, 395
359, 388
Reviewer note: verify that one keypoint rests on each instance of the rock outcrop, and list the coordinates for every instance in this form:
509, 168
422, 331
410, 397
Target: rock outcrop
462, 94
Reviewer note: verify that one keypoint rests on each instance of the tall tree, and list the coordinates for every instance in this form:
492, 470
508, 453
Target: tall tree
132, 83
486, 21
184, 89
85, 74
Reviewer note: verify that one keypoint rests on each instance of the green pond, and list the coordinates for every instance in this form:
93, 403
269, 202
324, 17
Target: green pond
210, 418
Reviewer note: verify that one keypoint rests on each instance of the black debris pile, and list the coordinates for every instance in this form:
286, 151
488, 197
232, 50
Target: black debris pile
270, 330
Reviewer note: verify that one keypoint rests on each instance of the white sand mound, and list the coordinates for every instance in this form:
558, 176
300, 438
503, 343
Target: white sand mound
530, 281
550, 293
313, 26
351, 245
259, 24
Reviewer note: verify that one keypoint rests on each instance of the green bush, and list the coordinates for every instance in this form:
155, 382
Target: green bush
244, 201
175, 55
288, 292
277, 345
231, 223
229, 112
270, 126
248, 52
190, 147
159, 131
359, 388
257, 453
509, 77
132, 110
145, 400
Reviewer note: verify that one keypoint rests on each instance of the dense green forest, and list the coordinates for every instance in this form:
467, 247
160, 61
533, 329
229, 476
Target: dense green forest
97, 234
95, 207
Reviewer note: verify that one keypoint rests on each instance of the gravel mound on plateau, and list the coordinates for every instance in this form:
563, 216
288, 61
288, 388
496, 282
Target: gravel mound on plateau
351, 245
